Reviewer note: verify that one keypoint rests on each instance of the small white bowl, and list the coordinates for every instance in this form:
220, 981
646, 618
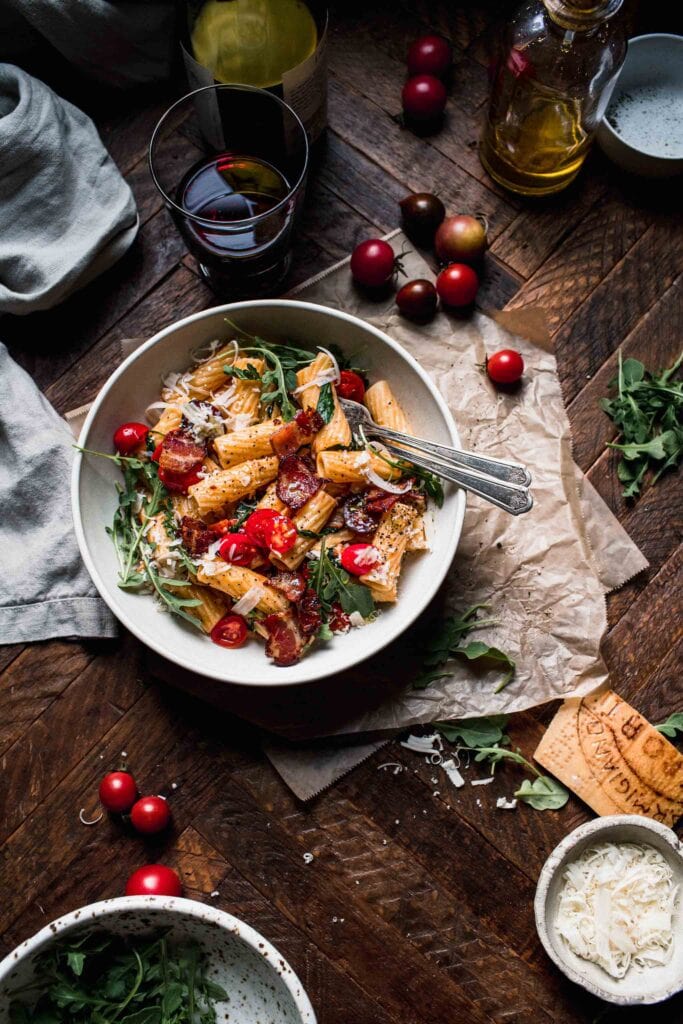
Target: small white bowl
642, 130
650, 986
137, 382
260, 983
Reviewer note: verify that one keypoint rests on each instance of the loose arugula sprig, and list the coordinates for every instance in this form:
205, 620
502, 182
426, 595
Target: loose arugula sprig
672, 726
325, 406
648, 410
332, 583
430, 482
447, 644
141, 498
104, 979
476, 732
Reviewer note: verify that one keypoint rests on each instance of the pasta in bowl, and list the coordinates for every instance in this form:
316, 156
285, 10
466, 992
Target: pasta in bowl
236, 497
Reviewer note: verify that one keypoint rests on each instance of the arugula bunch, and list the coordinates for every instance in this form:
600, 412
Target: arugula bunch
447, 644
487, 739
648, 410
105, 979
332, 583
672, 726
142, 497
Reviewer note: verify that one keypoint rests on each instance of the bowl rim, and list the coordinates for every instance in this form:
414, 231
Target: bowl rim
232, 309
548, 872
118, 904
606, 126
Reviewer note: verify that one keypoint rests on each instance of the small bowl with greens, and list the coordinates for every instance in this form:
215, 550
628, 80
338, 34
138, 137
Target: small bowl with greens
150, 960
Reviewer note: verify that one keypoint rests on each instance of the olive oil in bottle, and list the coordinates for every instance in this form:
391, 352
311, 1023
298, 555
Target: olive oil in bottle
552, 84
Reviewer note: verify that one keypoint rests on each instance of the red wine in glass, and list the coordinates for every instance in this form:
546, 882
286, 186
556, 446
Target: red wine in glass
237, 249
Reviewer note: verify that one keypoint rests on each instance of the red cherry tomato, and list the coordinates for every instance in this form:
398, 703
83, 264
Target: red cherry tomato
180, 483
360, 558
269, 529
351, 386
457, 285
156, 454
150, 814
118, 792
154, 880
129, 437
424, 98
238, 549
231, 631
505, 367
430, 55
373, 263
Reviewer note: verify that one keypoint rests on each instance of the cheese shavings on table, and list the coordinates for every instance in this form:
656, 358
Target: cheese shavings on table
616, 907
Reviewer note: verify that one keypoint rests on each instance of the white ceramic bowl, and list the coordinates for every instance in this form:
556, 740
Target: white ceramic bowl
260, 983
136, 383
642, 130
651, 986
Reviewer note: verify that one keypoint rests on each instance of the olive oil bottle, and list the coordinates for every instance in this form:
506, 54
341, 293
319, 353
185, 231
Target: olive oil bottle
271, 44
552, 83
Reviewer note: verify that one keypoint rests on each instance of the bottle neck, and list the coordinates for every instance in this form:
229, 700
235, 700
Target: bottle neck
581, 15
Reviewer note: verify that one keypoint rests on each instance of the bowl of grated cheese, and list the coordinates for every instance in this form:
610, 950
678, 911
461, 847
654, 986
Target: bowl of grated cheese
609, 909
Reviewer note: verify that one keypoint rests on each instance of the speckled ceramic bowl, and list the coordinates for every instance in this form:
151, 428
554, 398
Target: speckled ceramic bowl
262, 987
635, 988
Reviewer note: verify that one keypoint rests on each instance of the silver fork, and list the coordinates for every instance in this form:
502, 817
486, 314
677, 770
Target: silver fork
503, 484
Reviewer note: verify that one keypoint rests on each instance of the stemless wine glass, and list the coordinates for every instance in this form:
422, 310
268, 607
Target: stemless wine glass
237, 188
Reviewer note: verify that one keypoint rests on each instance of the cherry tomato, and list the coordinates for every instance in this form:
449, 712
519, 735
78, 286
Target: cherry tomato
424, 98
430, 55
457, 285
351, 386
270, 529
118, 792
460, 239
360, 558
154, 880
238, 549
417, 299
156, 454
373, 263
505, 367
422, 212
231, 631
129, 437
180, 483
150, 814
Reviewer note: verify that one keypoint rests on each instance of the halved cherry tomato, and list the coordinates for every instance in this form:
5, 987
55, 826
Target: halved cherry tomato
180, 483
351, 386
129, 437
118, 792
358, 559
154, 880
269, 529
238, 549
150, 814
231, 631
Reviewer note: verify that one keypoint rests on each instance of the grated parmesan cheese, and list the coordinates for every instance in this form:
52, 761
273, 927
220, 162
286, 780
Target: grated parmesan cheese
616, 907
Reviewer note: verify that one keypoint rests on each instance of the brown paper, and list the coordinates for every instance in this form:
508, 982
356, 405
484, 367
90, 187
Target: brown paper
544, 574
611, 757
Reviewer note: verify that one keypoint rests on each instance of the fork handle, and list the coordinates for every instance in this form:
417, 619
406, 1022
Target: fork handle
508, 472
510, 497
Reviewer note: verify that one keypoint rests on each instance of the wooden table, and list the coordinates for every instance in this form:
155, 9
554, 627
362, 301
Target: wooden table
417, 908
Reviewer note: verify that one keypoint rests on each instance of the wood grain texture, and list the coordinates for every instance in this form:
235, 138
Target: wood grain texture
417, 906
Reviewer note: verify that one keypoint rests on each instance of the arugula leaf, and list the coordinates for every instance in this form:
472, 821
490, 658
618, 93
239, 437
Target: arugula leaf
543, 794
478, 650
241, 514
475, 732
447, 644
248, 373
430, 483
332, 583
75, 960
672, 726
648, 410
325, 406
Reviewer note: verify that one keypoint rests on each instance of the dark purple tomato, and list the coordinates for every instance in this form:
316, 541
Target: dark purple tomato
417, 299
430, 55
422, 213
424, 98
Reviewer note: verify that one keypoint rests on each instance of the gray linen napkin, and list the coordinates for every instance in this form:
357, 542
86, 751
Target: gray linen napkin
46, 591
66, 213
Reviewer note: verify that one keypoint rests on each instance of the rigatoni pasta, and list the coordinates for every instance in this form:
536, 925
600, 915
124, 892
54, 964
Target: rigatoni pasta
390, 541
219, 489
385, 408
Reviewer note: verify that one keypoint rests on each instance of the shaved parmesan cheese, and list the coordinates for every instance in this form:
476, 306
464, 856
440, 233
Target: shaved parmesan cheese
335, 364
385, 485
481, 782
356, 619
155, 409
423, 744
616, 907
505, 805
203, 419
452, 772
368, 556
329, 376
247, 603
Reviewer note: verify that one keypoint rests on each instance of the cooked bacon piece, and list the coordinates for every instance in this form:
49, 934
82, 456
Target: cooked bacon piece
377, 500
197, 536
308, 611
291, 584
288, 438
339, 621
285, 641
180, 453
295, 482
357, 516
